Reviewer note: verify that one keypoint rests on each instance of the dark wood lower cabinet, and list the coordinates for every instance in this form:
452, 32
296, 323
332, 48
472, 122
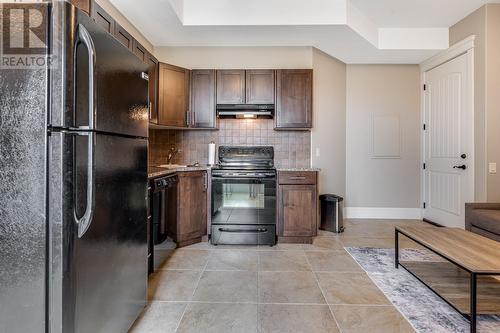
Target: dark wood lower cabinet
297, 206
191, 207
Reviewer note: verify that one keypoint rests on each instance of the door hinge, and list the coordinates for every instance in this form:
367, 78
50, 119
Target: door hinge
425, 127
425, 87
424, 166
424, 205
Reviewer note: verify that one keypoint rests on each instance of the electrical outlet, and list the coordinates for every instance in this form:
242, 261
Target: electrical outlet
317, 152
492, 168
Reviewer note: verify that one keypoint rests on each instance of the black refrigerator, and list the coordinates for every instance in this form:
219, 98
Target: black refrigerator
73, 177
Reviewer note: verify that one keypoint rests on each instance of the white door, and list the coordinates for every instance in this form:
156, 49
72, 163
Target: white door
448, 142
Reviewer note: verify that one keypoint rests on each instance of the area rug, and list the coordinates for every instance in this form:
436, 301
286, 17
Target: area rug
426, 312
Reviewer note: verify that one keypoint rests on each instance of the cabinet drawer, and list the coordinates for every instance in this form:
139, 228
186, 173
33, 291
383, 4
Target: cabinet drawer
297, 178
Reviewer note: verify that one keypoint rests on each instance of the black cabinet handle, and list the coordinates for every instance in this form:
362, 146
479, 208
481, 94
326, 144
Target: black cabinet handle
463, 167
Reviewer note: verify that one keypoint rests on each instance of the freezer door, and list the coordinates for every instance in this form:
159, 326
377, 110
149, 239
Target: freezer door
105, 262
106, 89
23, 113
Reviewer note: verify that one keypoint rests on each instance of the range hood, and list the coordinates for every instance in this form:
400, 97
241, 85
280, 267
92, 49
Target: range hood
245, 111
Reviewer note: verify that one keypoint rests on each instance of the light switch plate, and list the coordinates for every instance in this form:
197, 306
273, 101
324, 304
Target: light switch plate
317, 152
492, 168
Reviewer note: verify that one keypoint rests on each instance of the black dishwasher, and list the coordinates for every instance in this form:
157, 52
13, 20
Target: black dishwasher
163, 212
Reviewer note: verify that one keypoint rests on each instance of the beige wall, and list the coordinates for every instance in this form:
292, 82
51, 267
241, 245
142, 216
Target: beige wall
329, 122
484, 23
388, 91
236, 57
125, 23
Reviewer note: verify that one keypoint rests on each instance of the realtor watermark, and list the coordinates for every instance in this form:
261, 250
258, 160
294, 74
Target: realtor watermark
24, 34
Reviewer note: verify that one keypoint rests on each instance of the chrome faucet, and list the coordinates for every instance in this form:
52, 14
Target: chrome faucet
171, 154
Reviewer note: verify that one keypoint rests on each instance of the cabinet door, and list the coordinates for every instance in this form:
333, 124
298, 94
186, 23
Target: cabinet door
260, 87
192, 206
203, 99
139, 50
153, 87
294, 99
231, 87
124, 37
102, 18
297, 210
173, 96
84, 5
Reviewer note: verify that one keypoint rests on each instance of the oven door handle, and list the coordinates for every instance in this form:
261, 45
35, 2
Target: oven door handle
244, 177
248, 231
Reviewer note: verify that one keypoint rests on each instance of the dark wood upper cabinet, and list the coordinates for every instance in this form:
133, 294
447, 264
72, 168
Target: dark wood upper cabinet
294, 99
153, 87
85, 5
124, 37
102, 18
203, 99
173, 96
139, 50
230, 87
260, 86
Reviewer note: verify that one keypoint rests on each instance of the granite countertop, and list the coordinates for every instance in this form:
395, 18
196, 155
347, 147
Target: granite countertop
300, 169
154, 171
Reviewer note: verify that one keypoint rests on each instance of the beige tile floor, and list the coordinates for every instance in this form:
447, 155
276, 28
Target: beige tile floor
286, 288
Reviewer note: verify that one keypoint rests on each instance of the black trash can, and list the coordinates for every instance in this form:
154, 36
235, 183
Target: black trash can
332, 217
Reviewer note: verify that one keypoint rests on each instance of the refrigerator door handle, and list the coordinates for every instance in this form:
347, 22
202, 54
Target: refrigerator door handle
85, 221
85, 38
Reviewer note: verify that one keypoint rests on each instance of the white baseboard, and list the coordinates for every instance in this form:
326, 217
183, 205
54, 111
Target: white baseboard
382, 213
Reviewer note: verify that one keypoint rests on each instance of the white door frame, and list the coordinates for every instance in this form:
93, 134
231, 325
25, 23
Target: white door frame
465, 46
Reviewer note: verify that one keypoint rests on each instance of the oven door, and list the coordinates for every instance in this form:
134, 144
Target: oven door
244, 201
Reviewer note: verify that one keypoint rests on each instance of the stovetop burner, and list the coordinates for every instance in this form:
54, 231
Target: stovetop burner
246, 157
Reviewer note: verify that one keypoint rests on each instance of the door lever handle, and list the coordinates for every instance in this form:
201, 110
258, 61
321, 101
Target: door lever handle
463, 167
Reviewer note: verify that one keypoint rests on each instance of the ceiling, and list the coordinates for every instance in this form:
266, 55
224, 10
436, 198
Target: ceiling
354, 31
417, 13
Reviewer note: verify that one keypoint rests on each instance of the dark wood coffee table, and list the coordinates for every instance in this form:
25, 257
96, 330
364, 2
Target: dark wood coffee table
477, 255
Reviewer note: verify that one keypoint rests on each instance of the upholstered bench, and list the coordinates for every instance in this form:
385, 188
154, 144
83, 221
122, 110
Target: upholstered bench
483, 219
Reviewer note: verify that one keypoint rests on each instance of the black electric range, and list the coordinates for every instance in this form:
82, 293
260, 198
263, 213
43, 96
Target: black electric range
244, 196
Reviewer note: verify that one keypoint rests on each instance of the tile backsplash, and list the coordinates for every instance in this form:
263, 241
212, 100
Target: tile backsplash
292, 149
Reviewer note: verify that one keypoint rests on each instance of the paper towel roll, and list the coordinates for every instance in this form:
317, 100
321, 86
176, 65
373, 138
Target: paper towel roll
211, 153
